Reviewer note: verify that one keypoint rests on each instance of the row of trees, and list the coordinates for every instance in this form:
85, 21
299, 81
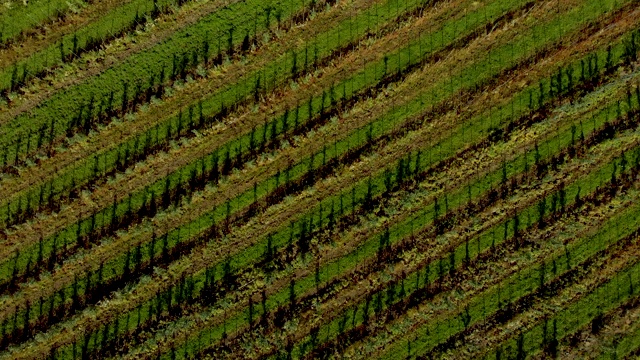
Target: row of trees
20, 78
304, 235
555, 211
559, 197
100, 111
302, 240
86, 120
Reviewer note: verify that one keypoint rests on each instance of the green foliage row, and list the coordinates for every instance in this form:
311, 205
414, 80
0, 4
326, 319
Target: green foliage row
57, 112
380, 184
205, 221
20, 18
622, 287
403, 229
120, 20
179, 125
468, 251
517, 285
280, 125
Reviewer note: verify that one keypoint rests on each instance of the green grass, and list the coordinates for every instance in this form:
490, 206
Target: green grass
488, 239
608, 296
20, 18
112, 24
105, 161
148, 302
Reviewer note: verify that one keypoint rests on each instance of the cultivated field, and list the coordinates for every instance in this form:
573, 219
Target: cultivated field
302, 179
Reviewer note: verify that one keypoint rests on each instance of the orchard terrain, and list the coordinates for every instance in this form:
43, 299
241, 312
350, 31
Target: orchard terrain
302, 179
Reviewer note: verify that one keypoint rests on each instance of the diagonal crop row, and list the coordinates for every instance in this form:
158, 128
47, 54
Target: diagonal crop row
18, 21
480, 336
457, 323
608, 334
251, 152
147, 140
461, 247
177, 60
78, 178
416, 178
96, 101
300, 283
85, 174
49, 33
300, 241
118, 81
617, 334
104, 164
437, 285
256, 315
619, 288
116, 52
115, 24
570, 255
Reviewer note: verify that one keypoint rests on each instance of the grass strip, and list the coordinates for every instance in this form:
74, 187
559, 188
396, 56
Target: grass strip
15, 21
111, 25
613, 293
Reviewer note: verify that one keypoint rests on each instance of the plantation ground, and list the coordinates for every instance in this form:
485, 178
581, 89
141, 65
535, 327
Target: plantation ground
319, 179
